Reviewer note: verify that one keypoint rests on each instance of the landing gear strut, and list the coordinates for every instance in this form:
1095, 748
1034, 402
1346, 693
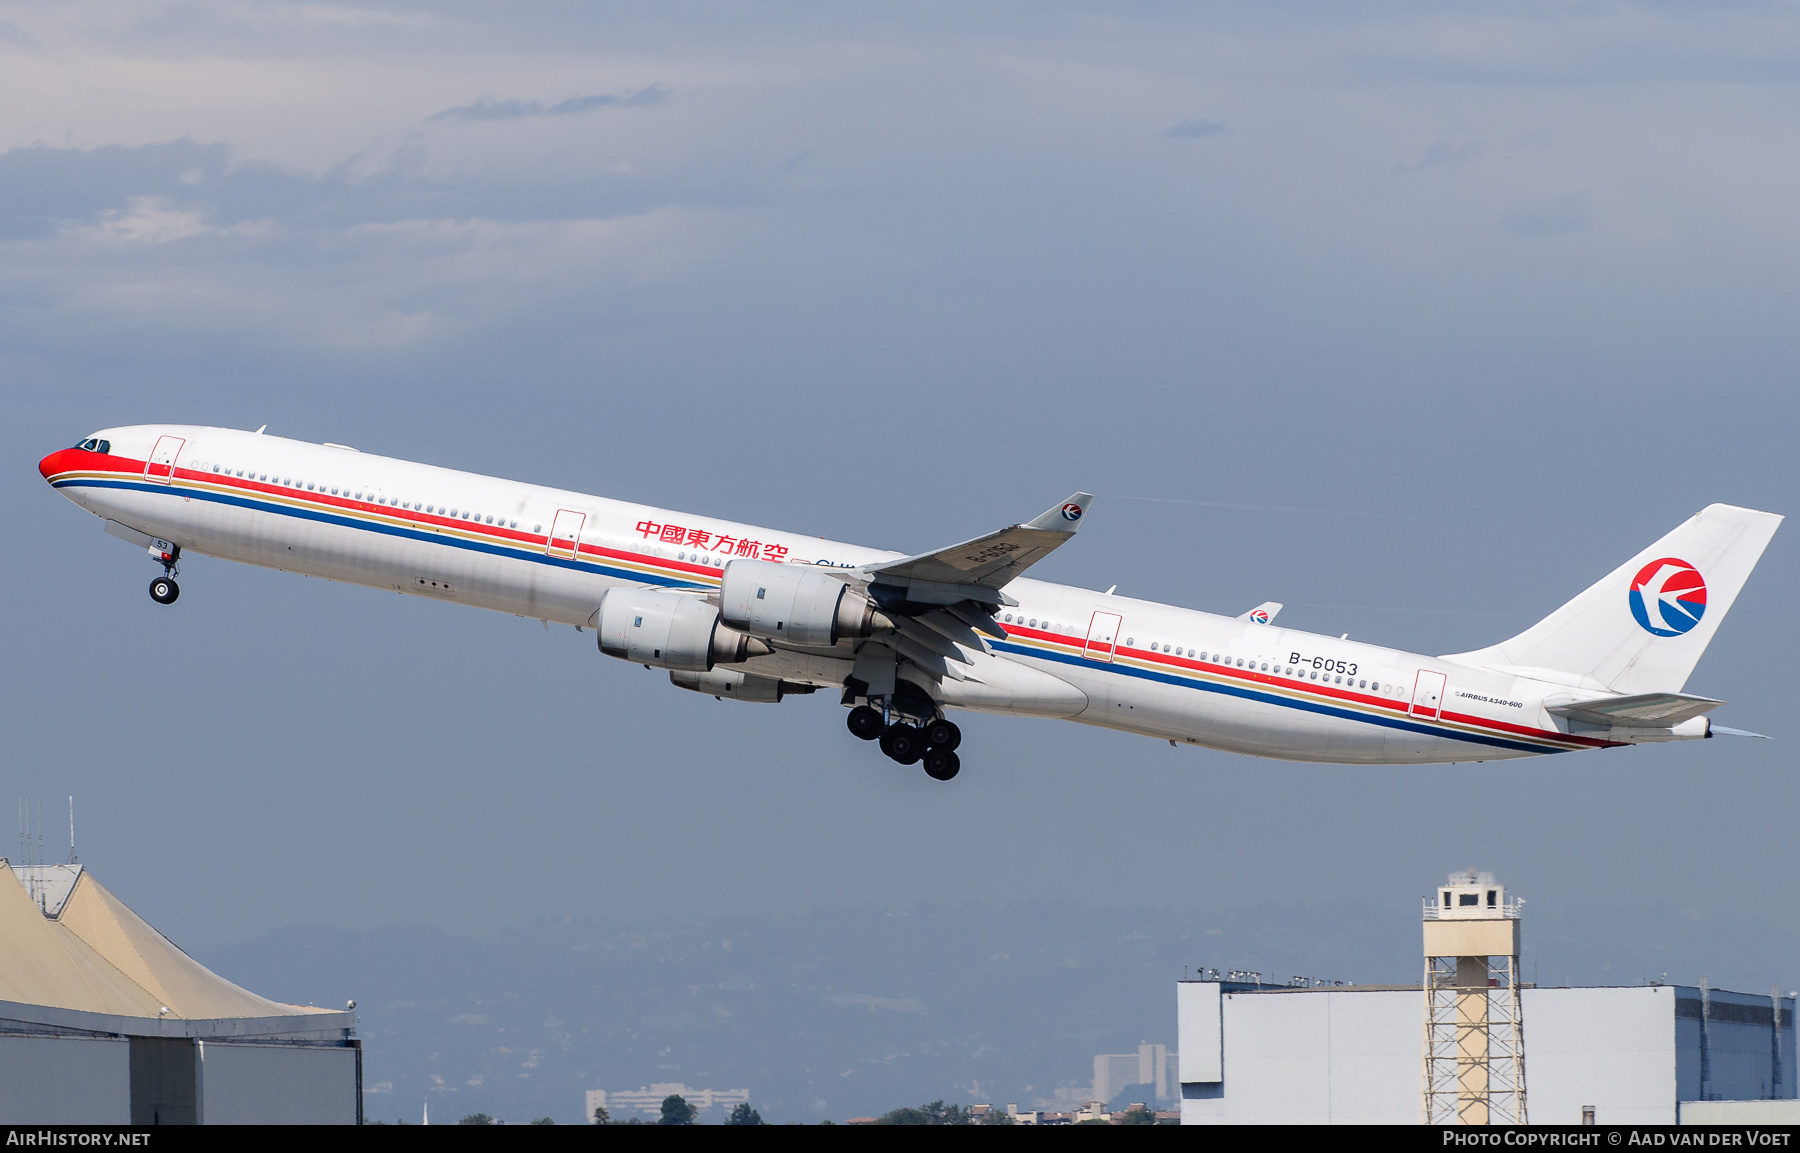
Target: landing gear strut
933, 742
164, 590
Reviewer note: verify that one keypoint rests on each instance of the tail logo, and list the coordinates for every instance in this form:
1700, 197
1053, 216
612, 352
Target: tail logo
1071, 511
1260, 616
1668, 597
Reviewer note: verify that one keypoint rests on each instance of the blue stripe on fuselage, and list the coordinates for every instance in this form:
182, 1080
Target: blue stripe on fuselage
516, 552
1250, 694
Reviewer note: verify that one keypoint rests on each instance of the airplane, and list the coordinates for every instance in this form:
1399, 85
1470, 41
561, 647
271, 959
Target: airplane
753, 614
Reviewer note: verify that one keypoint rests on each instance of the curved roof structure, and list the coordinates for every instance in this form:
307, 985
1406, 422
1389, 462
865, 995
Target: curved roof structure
66, 942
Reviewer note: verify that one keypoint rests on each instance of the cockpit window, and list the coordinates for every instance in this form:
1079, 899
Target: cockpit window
93, 444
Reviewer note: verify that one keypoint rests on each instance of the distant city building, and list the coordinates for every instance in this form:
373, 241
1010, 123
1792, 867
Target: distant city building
1618, 1055
1152, 1065
1089, 1111
649, 1099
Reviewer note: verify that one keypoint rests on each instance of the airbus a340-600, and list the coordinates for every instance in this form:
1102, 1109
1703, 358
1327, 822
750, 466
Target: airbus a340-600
756, 614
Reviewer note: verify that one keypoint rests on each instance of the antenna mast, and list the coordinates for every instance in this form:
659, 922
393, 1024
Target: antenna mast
72, 857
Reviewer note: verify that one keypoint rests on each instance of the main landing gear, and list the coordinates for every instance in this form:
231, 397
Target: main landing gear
164, 590
934, 742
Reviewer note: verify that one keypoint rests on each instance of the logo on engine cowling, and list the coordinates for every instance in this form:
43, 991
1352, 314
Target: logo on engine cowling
1071, 511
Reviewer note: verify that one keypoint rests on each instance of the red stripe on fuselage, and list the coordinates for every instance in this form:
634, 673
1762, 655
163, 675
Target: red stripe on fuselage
1271, 680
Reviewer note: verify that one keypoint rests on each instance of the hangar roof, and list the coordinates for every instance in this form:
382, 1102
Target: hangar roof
66, 942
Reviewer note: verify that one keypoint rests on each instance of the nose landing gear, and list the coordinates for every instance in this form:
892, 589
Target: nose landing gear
164, 590
934, 742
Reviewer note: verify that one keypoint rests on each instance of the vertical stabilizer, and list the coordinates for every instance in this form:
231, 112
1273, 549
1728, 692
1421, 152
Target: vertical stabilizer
1643, 627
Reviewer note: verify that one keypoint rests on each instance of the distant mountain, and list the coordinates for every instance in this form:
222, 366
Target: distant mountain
843, 1012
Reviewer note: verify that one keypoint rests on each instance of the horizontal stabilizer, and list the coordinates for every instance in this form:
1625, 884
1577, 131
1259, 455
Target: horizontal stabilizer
1262, 614
993, 560
1645, 710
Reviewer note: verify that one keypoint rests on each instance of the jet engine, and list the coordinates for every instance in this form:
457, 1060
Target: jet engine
795, 603
670, 631
729, 684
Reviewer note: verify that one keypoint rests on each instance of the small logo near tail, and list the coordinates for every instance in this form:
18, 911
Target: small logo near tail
1668, 597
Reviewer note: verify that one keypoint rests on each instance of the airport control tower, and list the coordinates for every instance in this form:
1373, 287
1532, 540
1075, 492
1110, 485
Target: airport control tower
1474, 1038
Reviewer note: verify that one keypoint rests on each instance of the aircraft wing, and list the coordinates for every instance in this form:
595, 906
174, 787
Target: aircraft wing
986, 564
1262, 614
1646, 710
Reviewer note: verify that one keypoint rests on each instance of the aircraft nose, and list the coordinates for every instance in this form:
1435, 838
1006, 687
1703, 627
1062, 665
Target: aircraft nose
57, 462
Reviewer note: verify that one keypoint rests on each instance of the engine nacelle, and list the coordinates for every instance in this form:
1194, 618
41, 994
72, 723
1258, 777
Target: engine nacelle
729, 684
795, 603
669, 631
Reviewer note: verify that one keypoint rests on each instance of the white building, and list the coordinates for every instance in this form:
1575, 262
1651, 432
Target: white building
1623, 1055
649, 1098
1353, 1055
103, 1021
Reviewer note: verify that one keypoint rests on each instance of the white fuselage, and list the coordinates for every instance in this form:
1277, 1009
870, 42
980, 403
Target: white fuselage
545, 553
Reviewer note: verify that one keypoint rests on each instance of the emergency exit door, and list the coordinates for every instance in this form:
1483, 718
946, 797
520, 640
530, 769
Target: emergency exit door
565, 533
1428, 694
1103, 636
161, 465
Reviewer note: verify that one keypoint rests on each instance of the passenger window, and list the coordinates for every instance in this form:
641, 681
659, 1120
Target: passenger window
537, 528
1129, 641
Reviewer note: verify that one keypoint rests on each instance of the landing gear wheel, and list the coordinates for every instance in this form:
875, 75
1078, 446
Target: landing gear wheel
864, 723
941, 734
164, 590
903, 743
942, 764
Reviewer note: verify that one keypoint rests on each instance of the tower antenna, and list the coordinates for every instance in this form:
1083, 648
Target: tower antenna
72, 857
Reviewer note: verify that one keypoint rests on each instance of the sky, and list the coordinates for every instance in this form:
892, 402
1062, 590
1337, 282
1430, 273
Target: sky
1416, 318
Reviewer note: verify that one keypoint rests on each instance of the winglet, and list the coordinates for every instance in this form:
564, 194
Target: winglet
1064, 517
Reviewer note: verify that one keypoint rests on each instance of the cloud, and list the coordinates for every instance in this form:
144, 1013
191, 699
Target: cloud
488, 108
1443, 154
1551, 217
1196, 128
892, 1004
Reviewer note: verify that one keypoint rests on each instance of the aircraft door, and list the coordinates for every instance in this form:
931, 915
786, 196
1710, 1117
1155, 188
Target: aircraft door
1103, 636
161, 465
1428, 694
565, 533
